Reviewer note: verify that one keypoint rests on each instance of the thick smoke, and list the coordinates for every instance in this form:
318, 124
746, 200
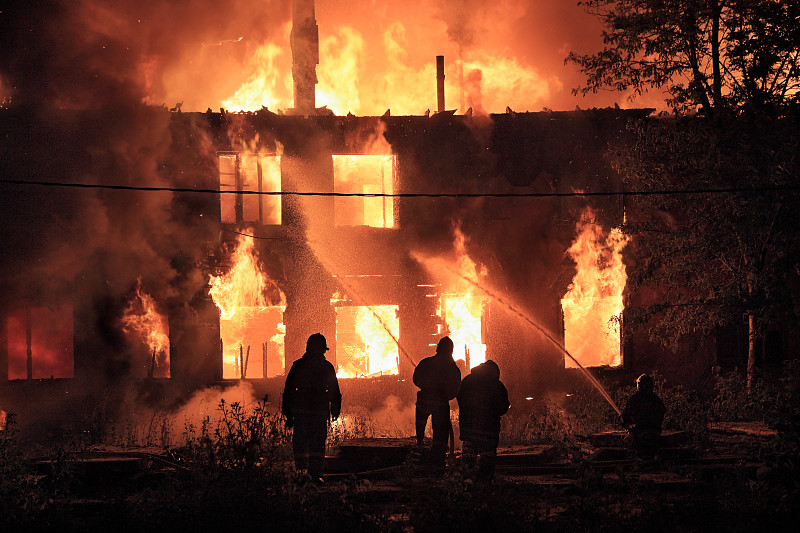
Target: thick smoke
78, 76
105, 60
198, 52
80, 73
81, 54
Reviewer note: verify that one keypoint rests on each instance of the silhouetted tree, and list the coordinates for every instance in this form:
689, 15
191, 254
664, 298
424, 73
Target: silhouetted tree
716, 54
715, 257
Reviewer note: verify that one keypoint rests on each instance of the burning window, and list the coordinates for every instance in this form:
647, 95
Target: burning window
462, 306
249, 172
464, 315
251, 317
40, 343
365, 340
252, 343
148, 332
364, 174
593, 304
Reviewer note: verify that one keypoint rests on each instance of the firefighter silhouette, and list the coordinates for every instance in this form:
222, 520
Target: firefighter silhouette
311, 397
438, 379
643, 416
482, 401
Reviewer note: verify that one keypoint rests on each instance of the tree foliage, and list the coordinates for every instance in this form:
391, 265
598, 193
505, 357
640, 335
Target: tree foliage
717, 54
715, 257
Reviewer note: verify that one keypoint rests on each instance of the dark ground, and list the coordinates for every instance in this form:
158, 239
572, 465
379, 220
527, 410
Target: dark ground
732, 485
729, 462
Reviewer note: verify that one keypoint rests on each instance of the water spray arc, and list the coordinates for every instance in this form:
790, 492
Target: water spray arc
349, 288
544, 333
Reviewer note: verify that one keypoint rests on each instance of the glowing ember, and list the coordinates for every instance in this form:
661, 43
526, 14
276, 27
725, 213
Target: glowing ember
593, 304
251, 317
363, 346
142, 319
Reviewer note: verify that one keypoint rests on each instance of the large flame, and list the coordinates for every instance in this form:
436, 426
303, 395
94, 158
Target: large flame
142, 319
593, 303
353, 79
269, 83
463, 306
251, 316
364, 346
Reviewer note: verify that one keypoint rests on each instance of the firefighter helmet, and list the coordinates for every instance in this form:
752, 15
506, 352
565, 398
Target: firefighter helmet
644, 383
445, 346
316, 343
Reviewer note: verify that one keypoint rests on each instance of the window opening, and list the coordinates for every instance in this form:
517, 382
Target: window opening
364, 348
250, 172
40, 343
364, 174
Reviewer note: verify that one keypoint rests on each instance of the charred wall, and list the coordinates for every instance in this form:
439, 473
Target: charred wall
520, 241
89, 247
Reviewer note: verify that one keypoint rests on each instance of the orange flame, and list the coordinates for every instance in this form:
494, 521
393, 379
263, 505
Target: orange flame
463, 306
593, 303
142, 318
364, 347
251, 325
347, 85
351, 80
269, 83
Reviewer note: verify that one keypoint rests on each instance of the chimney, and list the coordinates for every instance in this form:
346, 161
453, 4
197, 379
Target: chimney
304, 41
440, 82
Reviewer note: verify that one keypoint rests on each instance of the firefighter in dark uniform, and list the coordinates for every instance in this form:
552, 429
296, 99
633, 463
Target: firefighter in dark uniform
438, 378
482, 401
310, 398
643, 416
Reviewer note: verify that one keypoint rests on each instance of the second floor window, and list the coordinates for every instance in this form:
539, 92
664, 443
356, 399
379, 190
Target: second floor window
240, 171
364, 174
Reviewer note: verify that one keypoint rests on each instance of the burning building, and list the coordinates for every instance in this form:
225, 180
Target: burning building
183, 249
382, 233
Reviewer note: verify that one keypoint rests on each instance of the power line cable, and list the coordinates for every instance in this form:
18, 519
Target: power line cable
658, 192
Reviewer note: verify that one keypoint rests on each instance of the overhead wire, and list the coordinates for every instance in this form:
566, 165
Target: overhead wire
572, 194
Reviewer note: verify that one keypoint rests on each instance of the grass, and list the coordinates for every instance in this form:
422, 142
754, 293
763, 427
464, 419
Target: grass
237, 473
